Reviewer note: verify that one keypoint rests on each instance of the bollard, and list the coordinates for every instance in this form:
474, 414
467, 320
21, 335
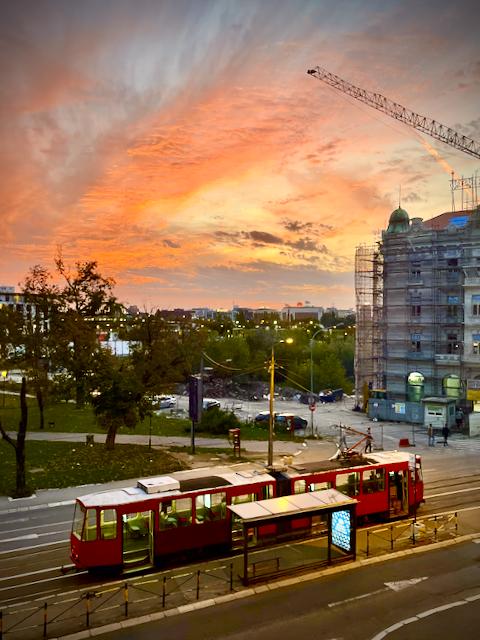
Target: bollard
125, 598
391, 537
163, 591
45, 620
231, 576
368, 542
1, 625
198, 584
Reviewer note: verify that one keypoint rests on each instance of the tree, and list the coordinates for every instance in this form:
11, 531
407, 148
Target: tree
85, 294
119, 396
41, 298
18, 444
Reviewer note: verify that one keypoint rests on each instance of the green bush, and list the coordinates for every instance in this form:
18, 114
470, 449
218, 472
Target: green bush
218, 422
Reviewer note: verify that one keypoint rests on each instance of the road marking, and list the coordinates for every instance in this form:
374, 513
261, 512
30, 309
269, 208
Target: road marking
31, 536
38, 526
36, 546
424, 614
451, 493
30, 573
393, 586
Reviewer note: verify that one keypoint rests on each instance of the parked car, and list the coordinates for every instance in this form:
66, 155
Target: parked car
165, 402
210, 403
263, 416
290, 421
330, 395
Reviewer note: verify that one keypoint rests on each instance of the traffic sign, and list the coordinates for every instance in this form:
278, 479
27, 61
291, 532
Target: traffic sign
312, 406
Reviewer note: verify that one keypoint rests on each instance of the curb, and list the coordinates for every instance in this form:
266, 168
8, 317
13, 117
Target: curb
246, 593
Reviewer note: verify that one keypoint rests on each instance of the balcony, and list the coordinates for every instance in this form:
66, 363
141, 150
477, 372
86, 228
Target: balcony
447, 358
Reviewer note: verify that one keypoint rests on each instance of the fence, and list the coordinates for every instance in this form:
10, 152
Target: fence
110, 603
407, 533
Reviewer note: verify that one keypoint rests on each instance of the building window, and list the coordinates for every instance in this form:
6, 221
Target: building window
452, 343
475, 348
452, 310
476, 305
452, 386
415, 275
416, 310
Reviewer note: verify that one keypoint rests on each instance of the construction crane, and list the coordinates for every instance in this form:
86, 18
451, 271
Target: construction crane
398, 112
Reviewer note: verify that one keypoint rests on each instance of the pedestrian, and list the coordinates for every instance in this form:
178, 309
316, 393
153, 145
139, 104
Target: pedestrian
431, 436
445, 434
368, 444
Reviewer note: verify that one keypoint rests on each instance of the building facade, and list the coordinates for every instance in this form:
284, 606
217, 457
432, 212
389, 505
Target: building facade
430, 316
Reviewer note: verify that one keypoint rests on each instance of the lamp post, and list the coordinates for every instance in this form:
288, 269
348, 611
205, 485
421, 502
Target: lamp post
4, 376
271, 421
311, 376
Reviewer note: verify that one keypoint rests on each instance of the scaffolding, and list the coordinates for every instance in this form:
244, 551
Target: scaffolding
369, 314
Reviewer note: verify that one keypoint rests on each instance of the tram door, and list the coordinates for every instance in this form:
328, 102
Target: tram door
398, 493
137, 529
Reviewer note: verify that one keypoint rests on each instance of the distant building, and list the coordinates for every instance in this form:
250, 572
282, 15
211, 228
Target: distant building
299, 313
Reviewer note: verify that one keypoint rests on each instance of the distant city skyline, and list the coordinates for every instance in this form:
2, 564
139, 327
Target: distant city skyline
182, 145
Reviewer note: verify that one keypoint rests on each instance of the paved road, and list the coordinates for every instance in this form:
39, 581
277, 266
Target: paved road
426, 595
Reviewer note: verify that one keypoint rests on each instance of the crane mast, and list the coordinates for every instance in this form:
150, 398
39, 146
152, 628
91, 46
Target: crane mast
398, 112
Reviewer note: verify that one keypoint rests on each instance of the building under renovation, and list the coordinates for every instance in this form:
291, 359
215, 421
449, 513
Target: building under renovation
418, 321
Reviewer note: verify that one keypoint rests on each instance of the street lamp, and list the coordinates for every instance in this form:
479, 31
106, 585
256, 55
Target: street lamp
311, 375
4, 376
271, 420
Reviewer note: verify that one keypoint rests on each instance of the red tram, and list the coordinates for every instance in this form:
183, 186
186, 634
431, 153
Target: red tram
187, 511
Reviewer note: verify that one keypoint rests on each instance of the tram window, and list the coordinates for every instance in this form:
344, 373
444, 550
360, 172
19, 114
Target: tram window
373, 480
348, 483
300, 486
245, 497
210, 507
175, 513
108, 524
78, 518
267, 492
319, 486
90, 529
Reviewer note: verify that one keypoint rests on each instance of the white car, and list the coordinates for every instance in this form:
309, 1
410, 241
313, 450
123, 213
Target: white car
210, 403
165, 402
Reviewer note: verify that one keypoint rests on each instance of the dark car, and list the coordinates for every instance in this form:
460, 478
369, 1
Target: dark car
290, 422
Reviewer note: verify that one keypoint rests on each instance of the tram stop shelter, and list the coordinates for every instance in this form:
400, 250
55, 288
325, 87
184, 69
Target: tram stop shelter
322, 524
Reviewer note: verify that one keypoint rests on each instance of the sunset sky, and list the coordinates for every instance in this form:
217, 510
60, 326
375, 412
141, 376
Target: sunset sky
183, 146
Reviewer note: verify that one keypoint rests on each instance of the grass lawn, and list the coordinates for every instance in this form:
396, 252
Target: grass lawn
62, 464
65, 417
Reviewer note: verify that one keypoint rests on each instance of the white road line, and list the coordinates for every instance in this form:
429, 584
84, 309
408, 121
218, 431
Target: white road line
424, 614
31, 536
34, 547
30, 573
451, 493
38, 526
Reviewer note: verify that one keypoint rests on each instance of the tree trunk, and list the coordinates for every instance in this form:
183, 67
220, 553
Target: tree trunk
110, 439
79, 393
41, 406
21, 487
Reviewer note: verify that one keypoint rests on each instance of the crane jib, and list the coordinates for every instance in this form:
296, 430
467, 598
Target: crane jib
398, 112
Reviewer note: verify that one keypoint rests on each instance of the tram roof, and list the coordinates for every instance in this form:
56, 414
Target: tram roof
189, 480
379, 457
324, 500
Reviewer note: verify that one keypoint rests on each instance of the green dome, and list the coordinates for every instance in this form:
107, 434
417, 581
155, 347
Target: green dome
399, 221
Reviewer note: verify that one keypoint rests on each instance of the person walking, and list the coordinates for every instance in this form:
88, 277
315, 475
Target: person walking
431, 436
368, 444
445, 434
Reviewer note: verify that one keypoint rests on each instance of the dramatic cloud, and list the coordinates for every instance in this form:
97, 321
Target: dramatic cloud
183, 146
